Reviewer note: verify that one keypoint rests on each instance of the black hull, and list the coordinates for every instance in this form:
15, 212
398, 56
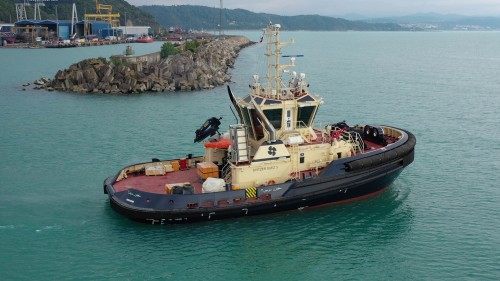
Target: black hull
273, 206
341, 181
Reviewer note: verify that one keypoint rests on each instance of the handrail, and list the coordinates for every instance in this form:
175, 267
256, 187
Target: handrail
300, 124
355, 139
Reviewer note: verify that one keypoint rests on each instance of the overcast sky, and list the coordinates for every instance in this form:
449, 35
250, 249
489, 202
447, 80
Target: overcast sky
342, 7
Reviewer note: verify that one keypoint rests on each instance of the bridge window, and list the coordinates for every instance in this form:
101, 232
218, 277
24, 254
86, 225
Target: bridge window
274, 116
306, 115
257, 124
246, 115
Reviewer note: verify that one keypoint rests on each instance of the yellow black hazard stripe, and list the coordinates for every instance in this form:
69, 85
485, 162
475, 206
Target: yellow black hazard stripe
251, 192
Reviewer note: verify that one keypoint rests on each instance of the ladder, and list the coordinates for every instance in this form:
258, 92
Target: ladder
294, 152
239, 143
354, 138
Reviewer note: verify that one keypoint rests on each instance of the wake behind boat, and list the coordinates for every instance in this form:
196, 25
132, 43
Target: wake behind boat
273, 160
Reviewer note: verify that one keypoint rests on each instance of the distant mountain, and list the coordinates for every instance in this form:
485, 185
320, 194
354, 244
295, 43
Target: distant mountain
201, 17
443, 22
352, 16
134, 15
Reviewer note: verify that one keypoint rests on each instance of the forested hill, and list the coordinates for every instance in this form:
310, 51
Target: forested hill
193, 17
135, 16
201, 17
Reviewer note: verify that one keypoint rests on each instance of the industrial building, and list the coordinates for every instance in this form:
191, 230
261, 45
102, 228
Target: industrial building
46, 28
61, 29
135, 31
104, 23
91, 28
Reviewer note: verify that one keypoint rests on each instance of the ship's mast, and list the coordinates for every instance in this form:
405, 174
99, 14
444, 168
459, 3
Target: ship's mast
278, 108
274, 69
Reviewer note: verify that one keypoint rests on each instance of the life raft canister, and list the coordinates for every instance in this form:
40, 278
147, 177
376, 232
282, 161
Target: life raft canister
222, 143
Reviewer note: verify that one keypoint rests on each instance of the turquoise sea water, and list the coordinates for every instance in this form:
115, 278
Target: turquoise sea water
438, 221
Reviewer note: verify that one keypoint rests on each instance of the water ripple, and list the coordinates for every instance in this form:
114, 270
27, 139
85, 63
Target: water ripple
437, 221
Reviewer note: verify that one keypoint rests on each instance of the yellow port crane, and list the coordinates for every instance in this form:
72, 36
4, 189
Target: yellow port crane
103, 13
100, 7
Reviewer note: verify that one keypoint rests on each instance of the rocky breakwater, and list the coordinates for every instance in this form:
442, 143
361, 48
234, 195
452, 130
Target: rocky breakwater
206, 68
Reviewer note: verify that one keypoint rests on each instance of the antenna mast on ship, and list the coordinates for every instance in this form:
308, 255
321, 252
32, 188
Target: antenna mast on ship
274, 69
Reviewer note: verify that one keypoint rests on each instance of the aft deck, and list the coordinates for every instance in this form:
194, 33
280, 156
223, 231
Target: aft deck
156, 184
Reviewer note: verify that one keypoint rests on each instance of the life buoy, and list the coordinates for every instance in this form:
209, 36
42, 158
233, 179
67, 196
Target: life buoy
271, 182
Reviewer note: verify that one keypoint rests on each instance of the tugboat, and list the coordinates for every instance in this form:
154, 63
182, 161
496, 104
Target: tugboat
273, 160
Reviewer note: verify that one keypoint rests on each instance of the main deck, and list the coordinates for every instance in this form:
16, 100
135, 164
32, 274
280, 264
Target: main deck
158, 182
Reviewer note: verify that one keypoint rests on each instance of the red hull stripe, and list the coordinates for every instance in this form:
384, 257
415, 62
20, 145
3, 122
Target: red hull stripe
352, 199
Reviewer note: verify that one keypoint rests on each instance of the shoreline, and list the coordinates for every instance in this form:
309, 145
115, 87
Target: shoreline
206, 68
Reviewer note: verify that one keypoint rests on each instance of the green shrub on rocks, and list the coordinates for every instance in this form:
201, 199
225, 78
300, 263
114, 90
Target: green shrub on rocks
167, 49
115, 60
192, 46
102, 59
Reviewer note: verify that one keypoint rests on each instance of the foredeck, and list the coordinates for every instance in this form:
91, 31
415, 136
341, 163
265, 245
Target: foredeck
321, 137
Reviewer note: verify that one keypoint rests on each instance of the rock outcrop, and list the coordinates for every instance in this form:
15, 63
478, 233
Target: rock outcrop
204, 69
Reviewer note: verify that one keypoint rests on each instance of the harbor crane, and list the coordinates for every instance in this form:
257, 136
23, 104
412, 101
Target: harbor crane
103, 13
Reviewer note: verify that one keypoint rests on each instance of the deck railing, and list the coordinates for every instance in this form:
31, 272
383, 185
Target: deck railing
226, 172
355, 139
